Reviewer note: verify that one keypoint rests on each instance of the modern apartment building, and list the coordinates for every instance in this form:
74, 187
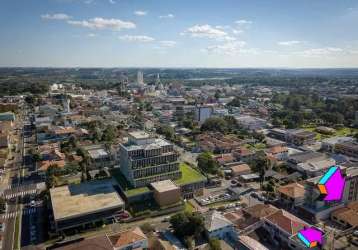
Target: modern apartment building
145, 159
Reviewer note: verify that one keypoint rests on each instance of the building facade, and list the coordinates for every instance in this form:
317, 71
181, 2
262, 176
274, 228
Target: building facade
145, 159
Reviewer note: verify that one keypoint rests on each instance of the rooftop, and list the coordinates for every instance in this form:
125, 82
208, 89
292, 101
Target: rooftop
155, 143
306, 156
72, 201
127, 237
287, 222
293, 190
163, 186
214, 221
348, 214
251, 243
139, 135
97, 153
260, 210
96, 243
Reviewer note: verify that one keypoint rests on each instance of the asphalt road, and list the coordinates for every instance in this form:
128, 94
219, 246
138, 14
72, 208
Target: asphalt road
12, 208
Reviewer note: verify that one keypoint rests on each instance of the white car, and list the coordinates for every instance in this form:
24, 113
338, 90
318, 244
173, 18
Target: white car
32, 203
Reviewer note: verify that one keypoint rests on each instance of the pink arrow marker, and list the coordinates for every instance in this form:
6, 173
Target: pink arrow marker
335, 186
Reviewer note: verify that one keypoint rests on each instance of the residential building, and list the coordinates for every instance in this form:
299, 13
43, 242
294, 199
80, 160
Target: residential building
351, 187
240, 169
349, 148
314, 208
145, 159
279, 134
300, 137
99, 157
315, 167
346, 216
217, 226
329, 144
283, 227
80, 204
248, 243
302, 157
96, 243
291, 194
129, 240
278, 152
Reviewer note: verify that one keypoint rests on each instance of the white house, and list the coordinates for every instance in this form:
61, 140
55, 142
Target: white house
217, 226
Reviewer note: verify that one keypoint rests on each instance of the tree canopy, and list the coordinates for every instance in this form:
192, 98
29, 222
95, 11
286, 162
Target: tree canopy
207, 163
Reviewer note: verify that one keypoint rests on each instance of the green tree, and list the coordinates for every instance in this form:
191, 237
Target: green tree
214, 244
167, 131
207, 163
260, 164
187, 224
216, 124
236, 102
109, 134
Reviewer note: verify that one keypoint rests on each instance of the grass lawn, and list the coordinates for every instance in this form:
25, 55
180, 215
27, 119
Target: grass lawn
339, 132
189, 175
127, 188
189, 208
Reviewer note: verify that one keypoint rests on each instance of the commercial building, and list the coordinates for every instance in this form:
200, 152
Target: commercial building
203, 112
250, 122
166, 193
145, 159
80, 204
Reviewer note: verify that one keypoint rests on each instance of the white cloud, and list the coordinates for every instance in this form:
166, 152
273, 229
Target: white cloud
140, 13
167, 44
112, 1
237, 32
143, 39
243, 22
167, 16
230, 48
317, 52
289, 43
57, 16
102, 23
92, 35
206, 31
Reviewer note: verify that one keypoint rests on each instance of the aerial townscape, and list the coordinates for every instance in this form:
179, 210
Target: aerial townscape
242, 150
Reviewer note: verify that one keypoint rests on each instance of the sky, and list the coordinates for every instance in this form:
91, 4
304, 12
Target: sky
179, 33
